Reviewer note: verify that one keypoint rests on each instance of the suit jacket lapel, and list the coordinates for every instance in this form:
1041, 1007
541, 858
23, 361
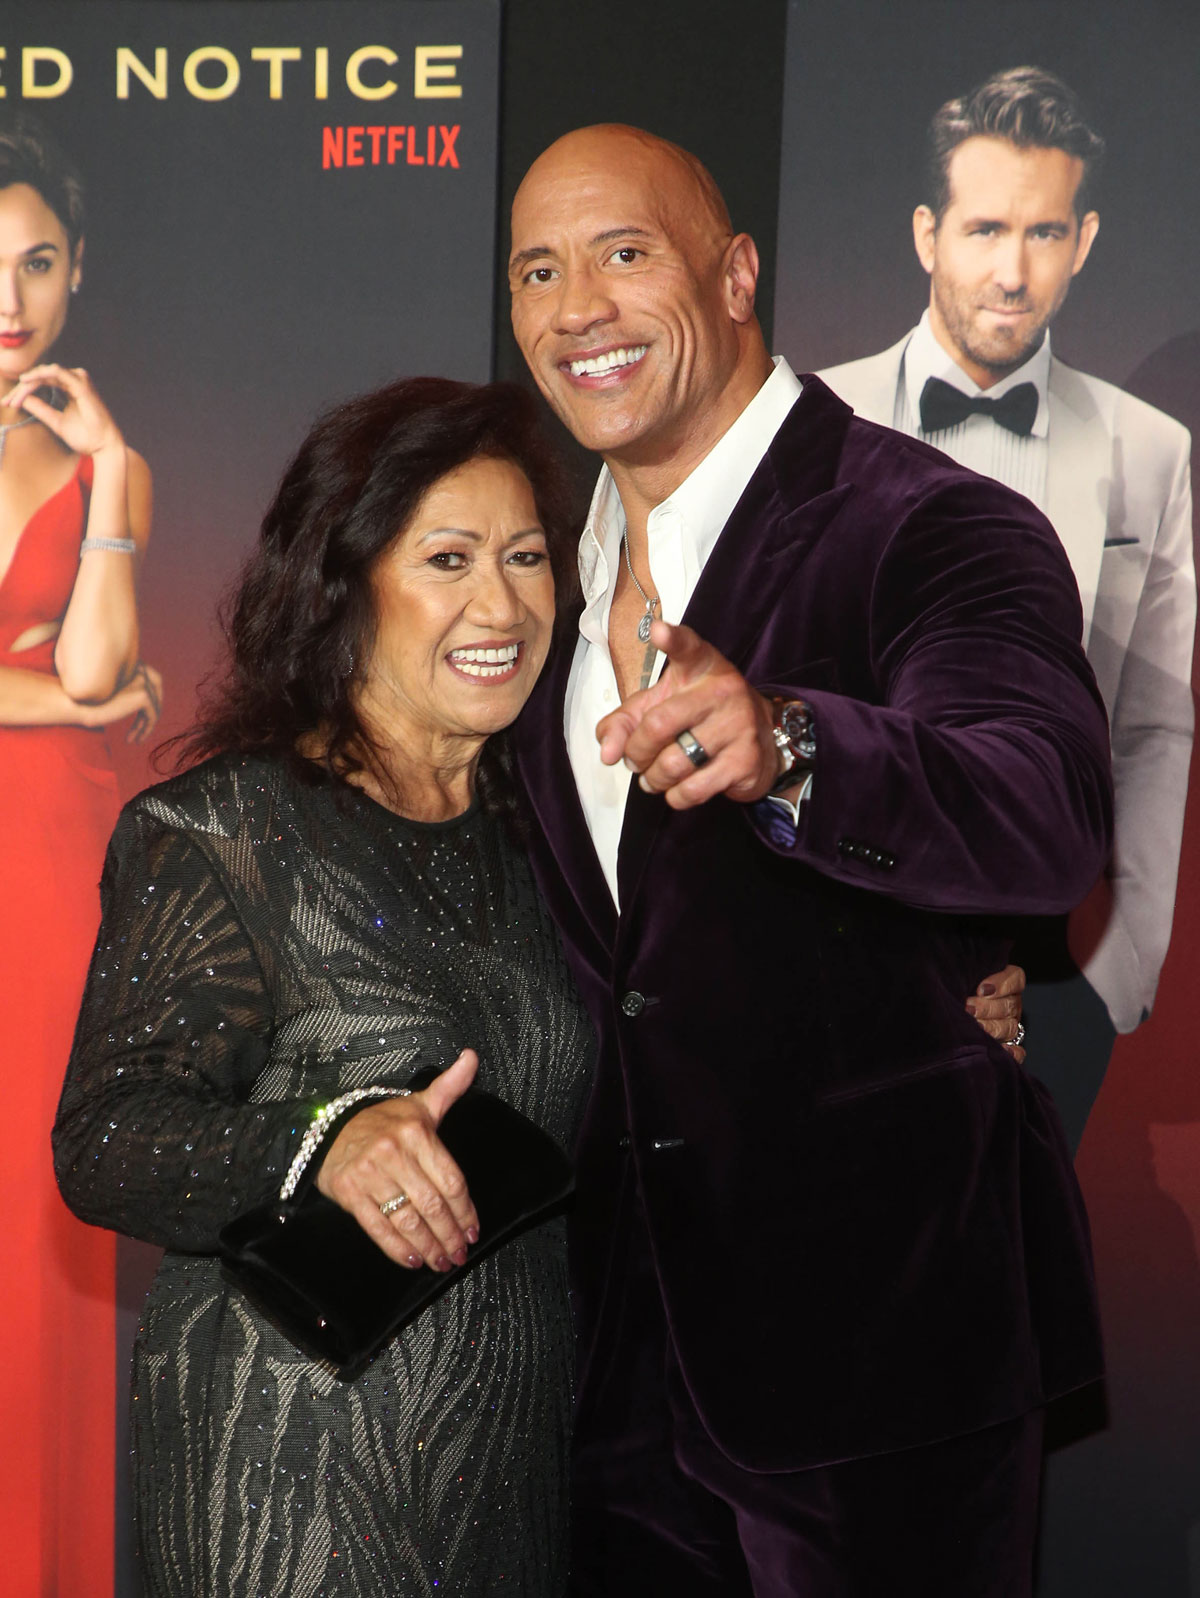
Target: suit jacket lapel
1079, 479
555, 798
787, 505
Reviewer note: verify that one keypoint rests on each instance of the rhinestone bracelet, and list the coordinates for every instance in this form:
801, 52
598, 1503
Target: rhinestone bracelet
324, 1119
119, 546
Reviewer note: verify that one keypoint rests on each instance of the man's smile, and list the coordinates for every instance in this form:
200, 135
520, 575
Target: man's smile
613, 364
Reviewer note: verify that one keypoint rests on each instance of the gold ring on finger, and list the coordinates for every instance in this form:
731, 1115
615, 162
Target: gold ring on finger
390, 1206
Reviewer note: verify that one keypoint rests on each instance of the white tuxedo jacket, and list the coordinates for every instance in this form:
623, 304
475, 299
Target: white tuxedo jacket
1119, 496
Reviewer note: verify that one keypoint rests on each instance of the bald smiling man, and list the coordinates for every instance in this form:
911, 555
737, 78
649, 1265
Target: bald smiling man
824, 726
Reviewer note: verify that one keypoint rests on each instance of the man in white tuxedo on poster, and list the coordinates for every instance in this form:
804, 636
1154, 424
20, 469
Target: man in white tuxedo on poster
1007, 226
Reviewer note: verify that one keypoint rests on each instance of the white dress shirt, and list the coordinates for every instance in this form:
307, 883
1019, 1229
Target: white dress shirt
979, 442
681, 534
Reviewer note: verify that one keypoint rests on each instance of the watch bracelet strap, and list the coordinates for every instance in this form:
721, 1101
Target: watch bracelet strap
792, 772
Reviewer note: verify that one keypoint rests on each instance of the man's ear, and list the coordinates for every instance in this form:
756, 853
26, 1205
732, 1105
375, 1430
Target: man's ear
924, 234
739, 275
1088, 229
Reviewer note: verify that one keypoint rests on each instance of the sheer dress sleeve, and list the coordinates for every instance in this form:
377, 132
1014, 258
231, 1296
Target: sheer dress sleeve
156, 1135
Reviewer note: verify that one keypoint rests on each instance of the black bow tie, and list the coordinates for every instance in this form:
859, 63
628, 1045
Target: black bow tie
943, 405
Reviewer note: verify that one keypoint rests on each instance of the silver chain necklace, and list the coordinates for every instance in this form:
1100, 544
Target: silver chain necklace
643, 626
10, 427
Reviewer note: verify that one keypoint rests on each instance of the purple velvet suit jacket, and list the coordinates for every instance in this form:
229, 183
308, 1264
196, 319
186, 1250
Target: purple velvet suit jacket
864, 1218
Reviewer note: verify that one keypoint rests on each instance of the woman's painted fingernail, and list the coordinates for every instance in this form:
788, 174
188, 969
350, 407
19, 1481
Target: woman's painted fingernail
986, 989
472, 1234
442, 1264
460, 1256
415, 1260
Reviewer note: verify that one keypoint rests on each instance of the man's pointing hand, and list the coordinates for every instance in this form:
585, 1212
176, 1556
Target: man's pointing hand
700, 693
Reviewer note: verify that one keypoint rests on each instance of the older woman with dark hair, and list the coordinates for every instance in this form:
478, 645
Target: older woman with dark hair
332, 897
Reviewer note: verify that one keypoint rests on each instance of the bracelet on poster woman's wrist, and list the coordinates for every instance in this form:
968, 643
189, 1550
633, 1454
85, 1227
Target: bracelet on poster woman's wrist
118, 546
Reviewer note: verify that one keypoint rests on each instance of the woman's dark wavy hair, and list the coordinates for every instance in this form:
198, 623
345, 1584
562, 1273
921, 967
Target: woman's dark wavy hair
303, 613
29, 155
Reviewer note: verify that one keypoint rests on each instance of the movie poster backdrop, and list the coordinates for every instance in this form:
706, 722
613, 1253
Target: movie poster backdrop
287, 202
863, 78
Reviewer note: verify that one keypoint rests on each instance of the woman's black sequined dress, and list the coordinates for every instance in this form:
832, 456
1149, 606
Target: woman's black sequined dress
267, 945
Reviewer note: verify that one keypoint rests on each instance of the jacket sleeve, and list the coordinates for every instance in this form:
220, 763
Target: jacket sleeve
1152, 724
156, 1135
973, 776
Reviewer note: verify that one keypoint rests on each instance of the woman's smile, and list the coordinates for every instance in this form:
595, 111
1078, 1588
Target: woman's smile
486, 663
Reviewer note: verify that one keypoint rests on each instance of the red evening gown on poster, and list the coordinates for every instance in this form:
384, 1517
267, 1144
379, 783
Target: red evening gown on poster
58, 804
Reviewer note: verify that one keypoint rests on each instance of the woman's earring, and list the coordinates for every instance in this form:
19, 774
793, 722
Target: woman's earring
75, 287
347, 663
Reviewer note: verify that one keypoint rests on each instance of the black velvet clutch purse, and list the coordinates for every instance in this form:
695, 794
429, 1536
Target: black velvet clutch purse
311, 1269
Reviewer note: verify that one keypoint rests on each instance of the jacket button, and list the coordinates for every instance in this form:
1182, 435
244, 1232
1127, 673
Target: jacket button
633, 1003
625, 1143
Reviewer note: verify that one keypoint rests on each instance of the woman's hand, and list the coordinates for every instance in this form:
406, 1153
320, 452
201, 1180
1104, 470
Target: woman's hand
392, 1149
140, 697
84, 425
996, 1005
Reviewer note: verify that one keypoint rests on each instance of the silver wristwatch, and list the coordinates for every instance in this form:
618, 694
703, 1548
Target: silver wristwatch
795, 734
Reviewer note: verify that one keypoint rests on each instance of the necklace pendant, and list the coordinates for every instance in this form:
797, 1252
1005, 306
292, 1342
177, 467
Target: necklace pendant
644, 627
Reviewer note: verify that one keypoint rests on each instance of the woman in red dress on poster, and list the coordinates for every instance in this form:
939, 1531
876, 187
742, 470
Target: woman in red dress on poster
74, 519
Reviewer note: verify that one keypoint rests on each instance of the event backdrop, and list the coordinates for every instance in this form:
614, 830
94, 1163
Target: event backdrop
863, 77
288, 201
199, 256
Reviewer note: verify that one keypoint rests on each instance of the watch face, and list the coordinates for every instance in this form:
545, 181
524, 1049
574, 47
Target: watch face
796, 721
